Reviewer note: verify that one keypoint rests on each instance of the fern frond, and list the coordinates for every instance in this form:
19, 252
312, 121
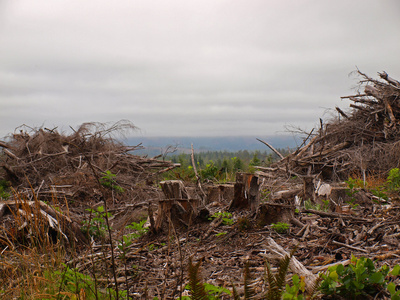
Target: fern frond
235, 292
197, 289
249, 292
277, 282
271, 284
280, 277
315, 288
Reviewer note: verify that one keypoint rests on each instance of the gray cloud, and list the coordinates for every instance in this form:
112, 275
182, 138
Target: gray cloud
189, 68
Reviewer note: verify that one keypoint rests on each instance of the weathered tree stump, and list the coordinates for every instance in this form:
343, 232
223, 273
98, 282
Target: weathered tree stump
177, 208
269, 213
246, 192
222, 193
174, 189
309, 190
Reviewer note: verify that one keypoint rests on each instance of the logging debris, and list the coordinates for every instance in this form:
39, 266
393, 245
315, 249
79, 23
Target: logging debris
46, 164
362, 141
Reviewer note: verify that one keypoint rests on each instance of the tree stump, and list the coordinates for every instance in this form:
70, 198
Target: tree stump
309, 190
269, 213
246, 192
222, 193
174, 189
177, 208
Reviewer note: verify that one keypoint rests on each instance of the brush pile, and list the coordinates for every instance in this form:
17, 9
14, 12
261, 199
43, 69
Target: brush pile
72, 166
365, 140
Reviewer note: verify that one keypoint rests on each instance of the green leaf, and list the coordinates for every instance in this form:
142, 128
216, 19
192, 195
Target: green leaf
391, 287
377, 278
395, 271
334, 275
295, 279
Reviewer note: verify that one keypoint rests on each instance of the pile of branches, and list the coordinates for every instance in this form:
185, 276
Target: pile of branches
72, 165
364, 140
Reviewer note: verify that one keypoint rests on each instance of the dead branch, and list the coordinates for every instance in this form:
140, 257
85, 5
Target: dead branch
295, 265
272, 148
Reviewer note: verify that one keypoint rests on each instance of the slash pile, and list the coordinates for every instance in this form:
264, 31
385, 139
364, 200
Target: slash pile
70, 166
365, 140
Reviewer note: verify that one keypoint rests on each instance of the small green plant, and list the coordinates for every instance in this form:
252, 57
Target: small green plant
380, 192
237, 164
393, 179
96, 225
74, 283
308, 204
212, 292
353, 186
138, 229
391, 287
126, 241
226, 217
4, 189
280, 227
296, 290
108, 180
359, 278
152, 247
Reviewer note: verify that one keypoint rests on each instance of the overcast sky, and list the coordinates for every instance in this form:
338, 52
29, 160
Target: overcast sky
189, 68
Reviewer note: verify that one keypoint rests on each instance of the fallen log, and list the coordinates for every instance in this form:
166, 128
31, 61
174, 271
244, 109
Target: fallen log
295, 265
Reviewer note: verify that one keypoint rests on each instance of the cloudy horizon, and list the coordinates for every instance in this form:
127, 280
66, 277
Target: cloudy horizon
189, 68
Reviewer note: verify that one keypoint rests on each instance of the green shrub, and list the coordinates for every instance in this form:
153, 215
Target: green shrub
353, 186
359, 278
210, 172
96, 225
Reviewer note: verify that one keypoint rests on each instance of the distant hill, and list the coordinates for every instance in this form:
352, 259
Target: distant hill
158, 145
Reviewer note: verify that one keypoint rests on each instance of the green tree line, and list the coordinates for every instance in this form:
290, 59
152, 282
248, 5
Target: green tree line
220, 165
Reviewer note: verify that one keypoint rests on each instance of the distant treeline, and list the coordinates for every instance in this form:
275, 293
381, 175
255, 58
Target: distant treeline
221, 165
